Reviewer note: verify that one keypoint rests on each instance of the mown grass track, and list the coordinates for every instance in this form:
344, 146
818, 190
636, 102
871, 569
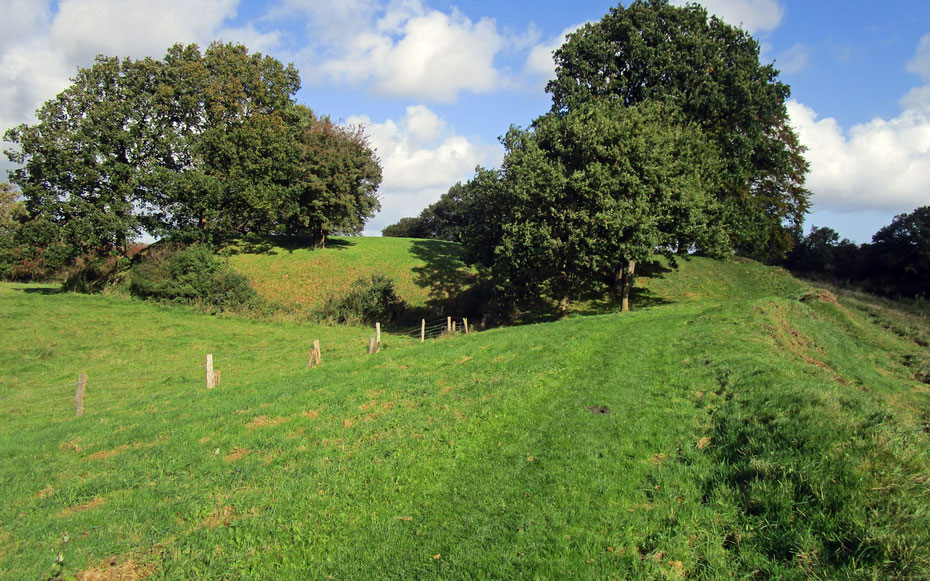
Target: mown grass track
754, 428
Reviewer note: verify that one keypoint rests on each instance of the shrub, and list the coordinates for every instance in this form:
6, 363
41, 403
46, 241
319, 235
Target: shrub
192, 275
370, 299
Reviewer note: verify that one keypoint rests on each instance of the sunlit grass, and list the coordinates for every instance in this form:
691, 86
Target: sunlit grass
301, 276
741, 425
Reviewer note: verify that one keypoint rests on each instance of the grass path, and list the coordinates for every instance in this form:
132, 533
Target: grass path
754, 428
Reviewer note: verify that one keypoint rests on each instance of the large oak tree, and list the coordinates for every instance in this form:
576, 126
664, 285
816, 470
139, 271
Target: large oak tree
652, 51
211, 143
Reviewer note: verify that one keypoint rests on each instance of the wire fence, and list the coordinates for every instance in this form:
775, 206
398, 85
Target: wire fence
265, 360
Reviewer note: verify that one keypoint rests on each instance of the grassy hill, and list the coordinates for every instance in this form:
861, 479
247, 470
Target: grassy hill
743, 424
427, 273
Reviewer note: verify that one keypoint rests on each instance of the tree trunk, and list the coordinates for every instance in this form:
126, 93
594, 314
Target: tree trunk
626, 284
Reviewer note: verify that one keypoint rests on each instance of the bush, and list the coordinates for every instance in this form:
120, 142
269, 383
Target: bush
371, 299
192, 275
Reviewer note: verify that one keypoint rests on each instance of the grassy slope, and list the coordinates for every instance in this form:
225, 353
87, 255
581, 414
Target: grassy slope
426, 272
754, 426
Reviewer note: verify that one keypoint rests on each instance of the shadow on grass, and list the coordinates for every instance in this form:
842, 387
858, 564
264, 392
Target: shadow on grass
601, 300
450, 284
41, 291
270, 244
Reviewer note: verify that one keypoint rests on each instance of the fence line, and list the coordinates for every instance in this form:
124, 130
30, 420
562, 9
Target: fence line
188, 368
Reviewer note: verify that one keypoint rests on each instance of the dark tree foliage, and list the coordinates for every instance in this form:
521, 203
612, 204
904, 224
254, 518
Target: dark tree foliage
206, 143
653, 51
899, 256
338, 176
895, 264
822, 252
12, 212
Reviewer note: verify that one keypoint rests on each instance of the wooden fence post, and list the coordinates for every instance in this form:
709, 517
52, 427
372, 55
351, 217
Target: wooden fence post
210, 376
377, 337
453, 326
371, 345
79, 395
422, 330
448, 324
465, 324
315, 355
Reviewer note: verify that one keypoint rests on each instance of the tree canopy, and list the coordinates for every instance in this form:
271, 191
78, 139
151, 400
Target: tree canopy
582, 197
652, 51
210, 142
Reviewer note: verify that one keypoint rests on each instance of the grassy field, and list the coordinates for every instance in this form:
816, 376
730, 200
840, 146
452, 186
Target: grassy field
427, 273
742, 425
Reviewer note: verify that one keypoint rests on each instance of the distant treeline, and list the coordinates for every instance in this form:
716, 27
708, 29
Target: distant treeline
895, 263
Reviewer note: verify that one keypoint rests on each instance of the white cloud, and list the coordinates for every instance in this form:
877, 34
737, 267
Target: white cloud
147, 28
421, 157
540, 63
879, 165
920, 64
752, 15
422, 54
21, 20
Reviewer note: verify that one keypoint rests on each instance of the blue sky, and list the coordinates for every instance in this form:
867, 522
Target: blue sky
436, 82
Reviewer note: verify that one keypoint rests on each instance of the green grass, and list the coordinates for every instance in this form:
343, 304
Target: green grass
427, 273
755, 428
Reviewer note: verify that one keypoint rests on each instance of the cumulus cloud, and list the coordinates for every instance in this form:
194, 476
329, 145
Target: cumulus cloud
540, 63
880, 165
413, 52
421, 157
752, 15
146, 29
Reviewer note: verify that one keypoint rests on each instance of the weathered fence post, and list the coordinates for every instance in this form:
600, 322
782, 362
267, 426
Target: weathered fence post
79, 395
371, 345
210, 377
315, 355
453, 326
448, 324
422, 330
377, 337
465, 324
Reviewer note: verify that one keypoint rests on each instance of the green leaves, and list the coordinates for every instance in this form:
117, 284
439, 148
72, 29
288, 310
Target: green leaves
209, 143
655, 52
585, 195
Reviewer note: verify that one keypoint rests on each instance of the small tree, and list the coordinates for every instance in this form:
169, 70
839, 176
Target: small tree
587, 195
338, 175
